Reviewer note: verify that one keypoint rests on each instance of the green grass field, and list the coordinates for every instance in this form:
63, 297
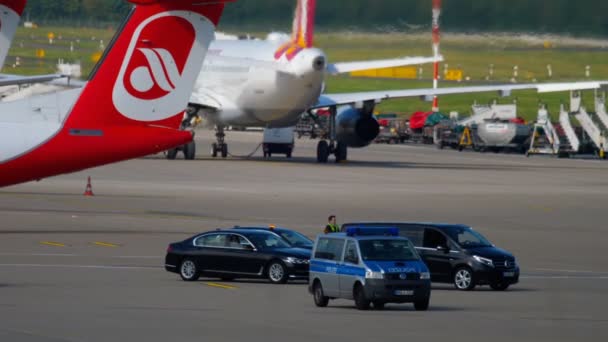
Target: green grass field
473, 54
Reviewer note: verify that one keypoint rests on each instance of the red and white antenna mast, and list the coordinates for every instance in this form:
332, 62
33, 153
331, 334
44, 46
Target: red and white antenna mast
436, 41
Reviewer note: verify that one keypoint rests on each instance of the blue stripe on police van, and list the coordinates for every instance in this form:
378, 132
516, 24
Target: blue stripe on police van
335, 268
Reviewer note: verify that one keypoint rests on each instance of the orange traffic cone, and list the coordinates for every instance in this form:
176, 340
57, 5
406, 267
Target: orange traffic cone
89, 189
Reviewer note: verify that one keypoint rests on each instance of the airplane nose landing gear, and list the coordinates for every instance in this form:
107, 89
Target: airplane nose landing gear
220, 147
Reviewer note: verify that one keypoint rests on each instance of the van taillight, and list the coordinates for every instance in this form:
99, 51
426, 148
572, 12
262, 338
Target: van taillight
169, 249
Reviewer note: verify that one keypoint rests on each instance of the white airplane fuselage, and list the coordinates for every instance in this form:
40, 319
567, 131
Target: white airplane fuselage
244, 84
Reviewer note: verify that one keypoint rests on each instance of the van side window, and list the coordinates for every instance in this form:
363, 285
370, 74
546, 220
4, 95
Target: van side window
414, 234
351, 255
434, 239
329, 249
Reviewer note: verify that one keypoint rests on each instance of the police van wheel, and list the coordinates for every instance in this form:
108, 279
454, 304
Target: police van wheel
422, 305
277, 274
379, 305
320, 299
361, 302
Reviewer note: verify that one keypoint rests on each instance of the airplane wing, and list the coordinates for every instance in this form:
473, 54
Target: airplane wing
328, 100
343, 68
8, 80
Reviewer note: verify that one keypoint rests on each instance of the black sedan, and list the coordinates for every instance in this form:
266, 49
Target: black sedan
237, 253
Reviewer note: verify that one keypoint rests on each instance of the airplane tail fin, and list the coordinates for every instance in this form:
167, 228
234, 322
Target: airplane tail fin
10, 14
303, 31
134, 102
148, 72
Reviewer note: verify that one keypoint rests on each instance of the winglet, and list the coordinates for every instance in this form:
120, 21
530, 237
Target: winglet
10, 14
16, 5
303, 30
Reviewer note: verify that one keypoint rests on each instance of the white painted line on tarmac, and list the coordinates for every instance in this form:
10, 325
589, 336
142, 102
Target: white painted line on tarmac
567, 277
39, 254
84, 255
568, 271
101, 267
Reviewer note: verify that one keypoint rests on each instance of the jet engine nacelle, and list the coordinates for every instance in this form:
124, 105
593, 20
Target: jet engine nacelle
356, 127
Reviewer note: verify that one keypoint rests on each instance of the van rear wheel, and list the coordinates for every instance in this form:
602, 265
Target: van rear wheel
379, 305
320, 299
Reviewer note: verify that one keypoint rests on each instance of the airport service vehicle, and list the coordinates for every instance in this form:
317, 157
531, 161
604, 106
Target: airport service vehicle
293, 238
10, 15
457, 254
369, 266
278, 140
497, 135
237, 253
131, 107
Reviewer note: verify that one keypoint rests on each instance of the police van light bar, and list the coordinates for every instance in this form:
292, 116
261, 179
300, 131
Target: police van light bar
372, 231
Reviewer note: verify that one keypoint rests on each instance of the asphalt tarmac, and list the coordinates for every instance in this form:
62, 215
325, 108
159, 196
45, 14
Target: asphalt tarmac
75, 268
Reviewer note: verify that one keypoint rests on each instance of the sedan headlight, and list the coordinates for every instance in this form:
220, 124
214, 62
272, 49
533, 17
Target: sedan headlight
484, 261
374, 275
296, 261
425, 275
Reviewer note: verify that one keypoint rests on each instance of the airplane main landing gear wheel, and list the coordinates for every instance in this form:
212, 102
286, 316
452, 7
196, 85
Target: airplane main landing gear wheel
341, 152
323, 152
190, 151
172, 154
325, 149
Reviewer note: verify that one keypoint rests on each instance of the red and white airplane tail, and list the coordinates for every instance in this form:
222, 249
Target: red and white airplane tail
303, 30
10, 14
134, 102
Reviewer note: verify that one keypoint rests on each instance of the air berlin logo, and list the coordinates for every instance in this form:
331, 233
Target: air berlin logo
159, 69
160, 72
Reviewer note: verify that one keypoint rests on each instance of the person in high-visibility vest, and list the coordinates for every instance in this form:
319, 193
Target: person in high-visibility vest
332, 226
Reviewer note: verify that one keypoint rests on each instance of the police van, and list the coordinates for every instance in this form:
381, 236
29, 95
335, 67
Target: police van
369, 266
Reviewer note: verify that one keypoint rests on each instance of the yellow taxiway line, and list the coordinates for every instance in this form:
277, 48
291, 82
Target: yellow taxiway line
105, 244
227, 287
54, 244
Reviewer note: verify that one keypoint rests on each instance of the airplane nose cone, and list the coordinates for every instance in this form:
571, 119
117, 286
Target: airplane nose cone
319, 63
310, 61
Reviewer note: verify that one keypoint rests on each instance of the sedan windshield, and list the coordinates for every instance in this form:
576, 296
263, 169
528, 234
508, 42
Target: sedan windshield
267, 241
467, 237
295, 239
387, 250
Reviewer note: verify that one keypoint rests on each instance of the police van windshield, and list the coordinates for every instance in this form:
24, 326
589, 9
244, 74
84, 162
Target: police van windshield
467, 237
387, 250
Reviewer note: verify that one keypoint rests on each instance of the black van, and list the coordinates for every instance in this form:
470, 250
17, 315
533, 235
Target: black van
457, 254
